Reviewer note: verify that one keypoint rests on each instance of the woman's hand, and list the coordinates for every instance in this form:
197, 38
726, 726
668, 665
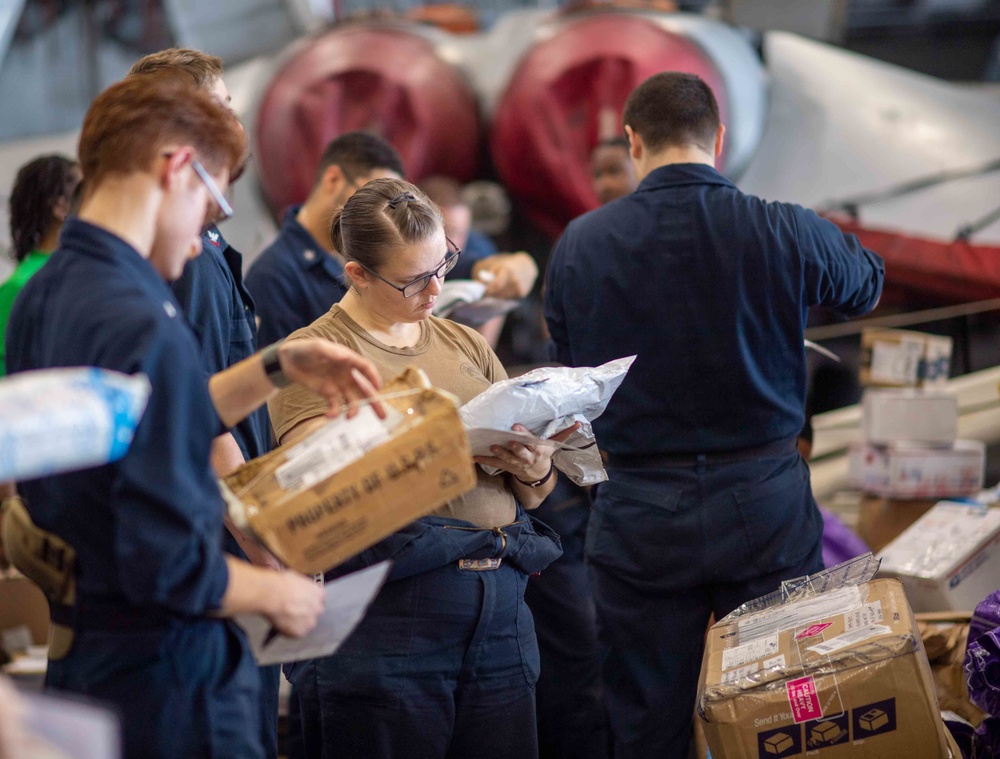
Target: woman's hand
337, 373
528, 463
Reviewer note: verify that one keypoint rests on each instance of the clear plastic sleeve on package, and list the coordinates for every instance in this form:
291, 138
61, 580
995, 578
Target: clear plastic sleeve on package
545, 401
59, 420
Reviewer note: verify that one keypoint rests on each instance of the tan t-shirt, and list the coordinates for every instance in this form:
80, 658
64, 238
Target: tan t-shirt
455, 358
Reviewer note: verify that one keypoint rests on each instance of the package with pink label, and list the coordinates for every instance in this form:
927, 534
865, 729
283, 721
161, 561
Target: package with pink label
832, 662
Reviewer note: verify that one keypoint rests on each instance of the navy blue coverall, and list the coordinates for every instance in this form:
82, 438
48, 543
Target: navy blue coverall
221, 314
294, 281
146, 529
708, 503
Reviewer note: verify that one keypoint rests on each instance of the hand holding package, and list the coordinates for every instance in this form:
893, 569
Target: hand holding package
546, 401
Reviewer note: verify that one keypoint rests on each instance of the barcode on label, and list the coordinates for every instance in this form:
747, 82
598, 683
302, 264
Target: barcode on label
848, 638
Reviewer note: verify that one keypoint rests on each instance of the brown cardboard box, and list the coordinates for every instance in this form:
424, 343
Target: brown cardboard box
841, 674
904, 358
945, 634
882, 520
425, 463
23, 603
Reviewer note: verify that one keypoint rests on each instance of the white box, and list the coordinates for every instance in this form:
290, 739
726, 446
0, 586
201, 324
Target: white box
909, 416
918, 472
949, 559
904, 358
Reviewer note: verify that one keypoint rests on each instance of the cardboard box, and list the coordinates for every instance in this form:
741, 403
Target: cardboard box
313, 526
899, 471
949, 558
882, 520
909, 416
903, 358
23, 603
945, 635
842, 674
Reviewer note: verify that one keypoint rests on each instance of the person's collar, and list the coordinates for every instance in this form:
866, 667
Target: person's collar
679, 174
212, 238
90, 239
308, 252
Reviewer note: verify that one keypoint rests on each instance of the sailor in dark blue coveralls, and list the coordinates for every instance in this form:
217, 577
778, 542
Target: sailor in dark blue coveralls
299, 276
221, 313
708, 502
146, 627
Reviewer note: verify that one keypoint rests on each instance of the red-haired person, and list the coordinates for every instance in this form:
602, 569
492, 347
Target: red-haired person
145, 623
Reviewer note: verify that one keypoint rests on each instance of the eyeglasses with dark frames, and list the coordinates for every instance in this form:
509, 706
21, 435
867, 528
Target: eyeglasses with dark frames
420, 284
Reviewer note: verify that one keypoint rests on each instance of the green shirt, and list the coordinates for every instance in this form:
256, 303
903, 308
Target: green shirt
8, 292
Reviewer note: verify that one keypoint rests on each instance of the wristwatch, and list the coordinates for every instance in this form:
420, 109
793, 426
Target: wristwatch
272, 366
538, 483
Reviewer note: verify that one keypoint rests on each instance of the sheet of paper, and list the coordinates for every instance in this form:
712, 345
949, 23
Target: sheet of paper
347, 600
480, 440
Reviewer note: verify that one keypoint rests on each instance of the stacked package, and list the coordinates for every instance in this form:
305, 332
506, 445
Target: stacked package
834, 665
911, 456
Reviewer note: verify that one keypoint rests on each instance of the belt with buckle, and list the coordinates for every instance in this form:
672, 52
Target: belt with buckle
480, 565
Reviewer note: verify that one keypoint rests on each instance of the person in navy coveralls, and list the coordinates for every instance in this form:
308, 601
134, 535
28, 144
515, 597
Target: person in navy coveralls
708, 502
154, 592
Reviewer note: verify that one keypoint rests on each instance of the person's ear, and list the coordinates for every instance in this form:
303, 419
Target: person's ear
635, 146
356, 274
61, 209
720, 135
333, 180
172, 164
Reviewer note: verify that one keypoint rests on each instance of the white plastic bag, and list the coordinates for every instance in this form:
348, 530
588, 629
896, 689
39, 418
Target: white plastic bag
545, 401
58, 420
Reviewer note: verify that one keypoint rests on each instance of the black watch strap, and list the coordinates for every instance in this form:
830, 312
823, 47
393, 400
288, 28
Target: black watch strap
272, 366
538, 483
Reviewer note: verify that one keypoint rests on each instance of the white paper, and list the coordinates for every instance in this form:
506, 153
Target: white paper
347, 600
739, 673
481, 439
865, 615
776, 662
333, 446
761, 648
848, 639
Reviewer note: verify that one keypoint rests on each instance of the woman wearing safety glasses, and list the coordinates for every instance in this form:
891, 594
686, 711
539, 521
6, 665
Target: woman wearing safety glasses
445, 663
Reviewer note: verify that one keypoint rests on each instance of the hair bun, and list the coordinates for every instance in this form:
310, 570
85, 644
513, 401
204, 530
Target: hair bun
403, 197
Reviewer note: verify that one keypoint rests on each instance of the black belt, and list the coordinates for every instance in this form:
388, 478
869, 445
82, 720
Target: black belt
657, 460
107, 616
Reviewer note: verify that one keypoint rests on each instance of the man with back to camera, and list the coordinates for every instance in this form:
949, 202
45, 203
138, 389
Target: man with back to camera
130, 554
708, 503
221, 312
611, 169
299, 276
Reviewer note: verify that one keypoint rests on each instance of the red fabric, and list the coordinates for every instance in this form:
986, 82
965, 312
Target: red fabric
365, 76
954, 272
568, 93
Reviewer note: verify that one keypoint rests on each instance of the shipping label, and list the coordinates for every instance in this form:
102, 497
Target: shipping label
865, 615
848, 639
754, 650
739, 673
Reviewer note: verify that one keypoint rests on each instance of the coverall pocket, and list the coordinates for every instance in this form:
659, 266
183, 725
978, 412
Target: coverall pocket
632, 526
781, 523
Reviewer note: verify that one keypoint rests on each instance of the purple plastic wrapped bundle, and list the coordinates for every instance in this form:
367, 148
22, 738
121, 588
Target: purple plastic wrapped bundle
840, 544
982, 673
986, 617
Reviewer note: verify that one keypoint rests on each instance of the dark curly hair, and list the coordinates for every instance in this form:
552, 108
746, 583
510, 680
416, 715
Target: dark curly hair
39, 186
